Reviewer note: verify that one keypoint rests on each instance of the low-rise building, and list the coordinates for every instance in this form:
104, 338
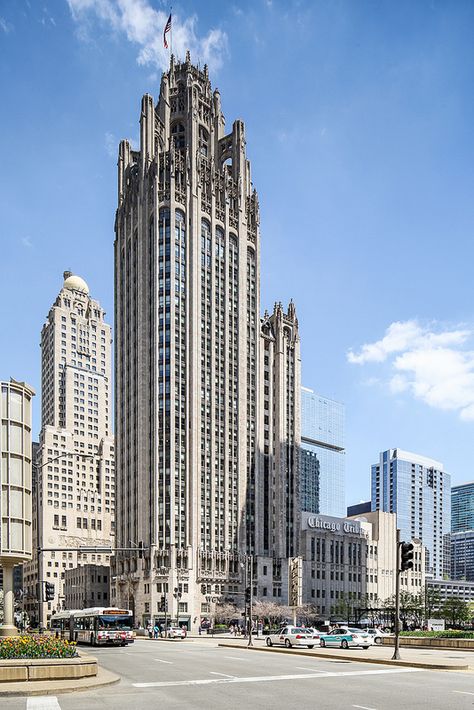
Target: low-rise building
452, 589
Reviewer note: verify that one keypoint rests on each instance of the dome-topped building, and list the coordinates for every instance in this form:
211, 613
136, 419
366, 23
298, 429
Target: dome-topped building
75, 283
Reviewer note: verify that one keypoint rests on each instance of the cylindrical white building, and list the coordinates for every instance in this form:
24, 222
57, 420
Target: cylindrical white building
15, 502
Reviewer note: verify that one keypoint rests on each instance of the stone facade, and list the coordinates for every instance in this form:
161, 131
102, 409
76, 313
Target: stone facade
87, 586
74, 496
381, 534
188, 341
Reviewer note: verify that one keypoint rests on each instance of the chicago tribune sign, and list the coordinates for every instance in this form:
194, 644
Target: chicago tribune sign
340, 526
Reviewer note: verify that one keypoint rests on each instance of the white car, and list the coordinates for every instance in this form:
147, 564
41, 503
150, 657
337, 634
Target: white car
293, 636
347, 637
377, 635
174, 632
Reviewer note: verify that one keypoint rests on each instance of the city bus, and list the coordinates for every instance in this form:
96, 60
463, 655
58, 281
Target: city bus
98, 625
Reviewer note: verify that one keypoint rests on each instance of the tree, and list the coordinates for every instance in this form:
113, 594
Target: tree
432, 602
225, 612
456, 611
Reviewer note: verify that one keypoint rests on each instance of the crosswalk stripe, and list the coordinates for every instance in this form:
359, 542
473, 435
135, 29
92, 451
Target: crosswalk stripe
43, 702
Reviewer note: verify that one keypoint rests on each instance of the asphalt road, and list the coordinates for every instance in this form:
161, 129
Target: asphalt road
198, 674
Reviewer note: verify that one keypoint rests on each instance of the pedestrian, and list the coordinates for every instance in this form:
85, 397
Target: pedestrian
200, 629
150, 630
231, 629
155, 631
184, 630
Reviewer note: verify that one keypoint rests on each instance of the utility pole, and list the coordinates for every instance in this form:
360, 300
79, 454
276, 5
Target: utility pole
396, 652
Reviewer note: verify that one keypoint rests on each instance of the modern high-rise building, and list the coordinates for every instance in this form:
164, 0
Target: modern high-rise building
418, 490
461, 540
462, 507
462, 555
74, 494
189, 392
322, 434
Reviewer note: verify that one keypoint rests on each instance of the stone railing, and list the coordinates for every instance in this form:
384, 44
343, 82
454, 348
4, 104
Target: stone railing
23, 669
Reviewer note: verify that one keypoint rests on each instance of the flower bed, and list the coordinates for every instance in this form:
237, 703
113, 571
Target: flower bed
36, 647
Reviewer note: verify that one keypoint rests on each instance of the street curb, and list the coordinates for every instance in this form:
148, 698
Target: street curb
52, 687
378, 661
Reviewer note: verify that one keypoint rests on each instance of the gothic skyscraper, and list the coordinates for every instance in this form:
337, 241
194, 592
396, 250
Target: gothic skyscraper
188, 339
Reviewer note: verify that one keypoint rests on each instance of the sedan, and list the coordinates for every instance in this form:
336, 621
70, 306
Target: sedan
377, 635
344, 637
293, 636
174, 632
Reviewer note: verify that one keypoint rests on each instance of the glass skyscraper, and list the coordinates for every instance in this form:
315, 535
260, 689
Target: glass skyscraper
322, 436
462, 535
418, 490
462, 507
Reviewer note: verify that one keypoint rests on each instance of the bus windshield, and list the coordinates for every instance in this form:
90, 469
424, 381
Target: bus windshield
116, 621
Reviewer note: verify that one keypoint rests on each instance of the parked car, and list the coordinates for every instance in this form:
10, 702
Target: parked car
174, 632
344, 637
377, 635
293, 636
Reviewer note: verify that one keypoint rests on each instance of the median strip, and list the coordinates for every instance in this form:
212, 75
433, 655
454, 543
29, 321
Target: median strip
356, 659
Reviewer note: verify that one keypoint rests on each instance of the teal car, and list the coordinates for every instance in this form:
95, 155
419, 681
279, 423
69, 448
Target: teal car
345, 637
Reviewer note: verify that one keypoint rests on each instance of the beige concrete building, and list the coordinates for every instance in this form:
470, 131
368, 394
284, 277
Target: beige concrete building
87, 586
188, 339
16, 477
74, 496
381, 536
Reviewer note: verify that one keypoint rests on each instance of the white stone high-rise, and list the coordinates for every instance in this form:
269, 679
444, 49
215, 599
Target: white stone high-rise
74, 495
189, 394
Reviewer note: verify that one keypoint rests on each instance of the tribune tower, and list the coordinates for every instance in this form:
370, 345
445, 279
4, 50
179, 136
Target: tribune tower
187, 272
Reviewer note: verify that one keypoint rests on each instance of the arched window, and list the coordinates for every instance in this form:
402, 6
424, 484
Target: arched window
179, 136
203, 141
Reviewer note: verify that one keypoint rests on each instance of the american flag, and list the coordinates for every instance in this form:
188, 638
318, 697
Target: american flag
167, 29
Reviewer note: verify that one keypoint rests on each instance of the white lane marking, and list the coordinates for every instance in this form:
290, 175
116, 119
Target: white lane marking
362, 707
462, 692
257, 679
160, 660
236, 658
314, 670
43, 702
226, 675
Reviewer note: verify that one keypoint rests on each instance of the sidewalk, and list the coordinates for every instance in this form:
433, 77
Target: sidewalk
55, 687
439, 659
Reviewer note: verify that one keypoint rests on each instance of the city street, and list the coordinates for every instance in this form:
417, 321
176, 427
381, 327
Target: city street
199, 674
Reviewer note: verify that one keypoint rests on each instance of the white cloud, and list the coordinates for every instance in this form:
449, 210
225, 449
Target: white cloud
111, 144
143, 25
434, 365
26, 241
5, 26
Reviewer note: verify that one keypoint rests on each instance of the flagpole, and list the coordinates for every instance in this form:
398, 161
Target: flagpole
171, 31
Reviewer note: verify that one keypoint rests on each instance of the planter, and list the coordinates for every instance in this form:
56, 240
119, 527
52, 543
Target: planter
26, 669
423, 642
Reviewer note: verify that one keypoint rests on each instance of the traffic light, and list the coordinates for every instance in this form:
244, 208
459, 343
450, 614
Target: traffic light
140, 550
406, 555
164, 603
49, 591
247, 595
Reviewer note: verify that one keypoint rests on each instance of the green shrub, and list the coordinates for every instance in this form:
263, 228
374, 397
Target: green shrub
448, 634
32, 646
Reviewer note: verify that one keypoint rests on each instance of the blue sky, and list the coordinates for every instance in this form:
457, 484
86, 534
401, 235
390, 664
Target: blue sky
359, 123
